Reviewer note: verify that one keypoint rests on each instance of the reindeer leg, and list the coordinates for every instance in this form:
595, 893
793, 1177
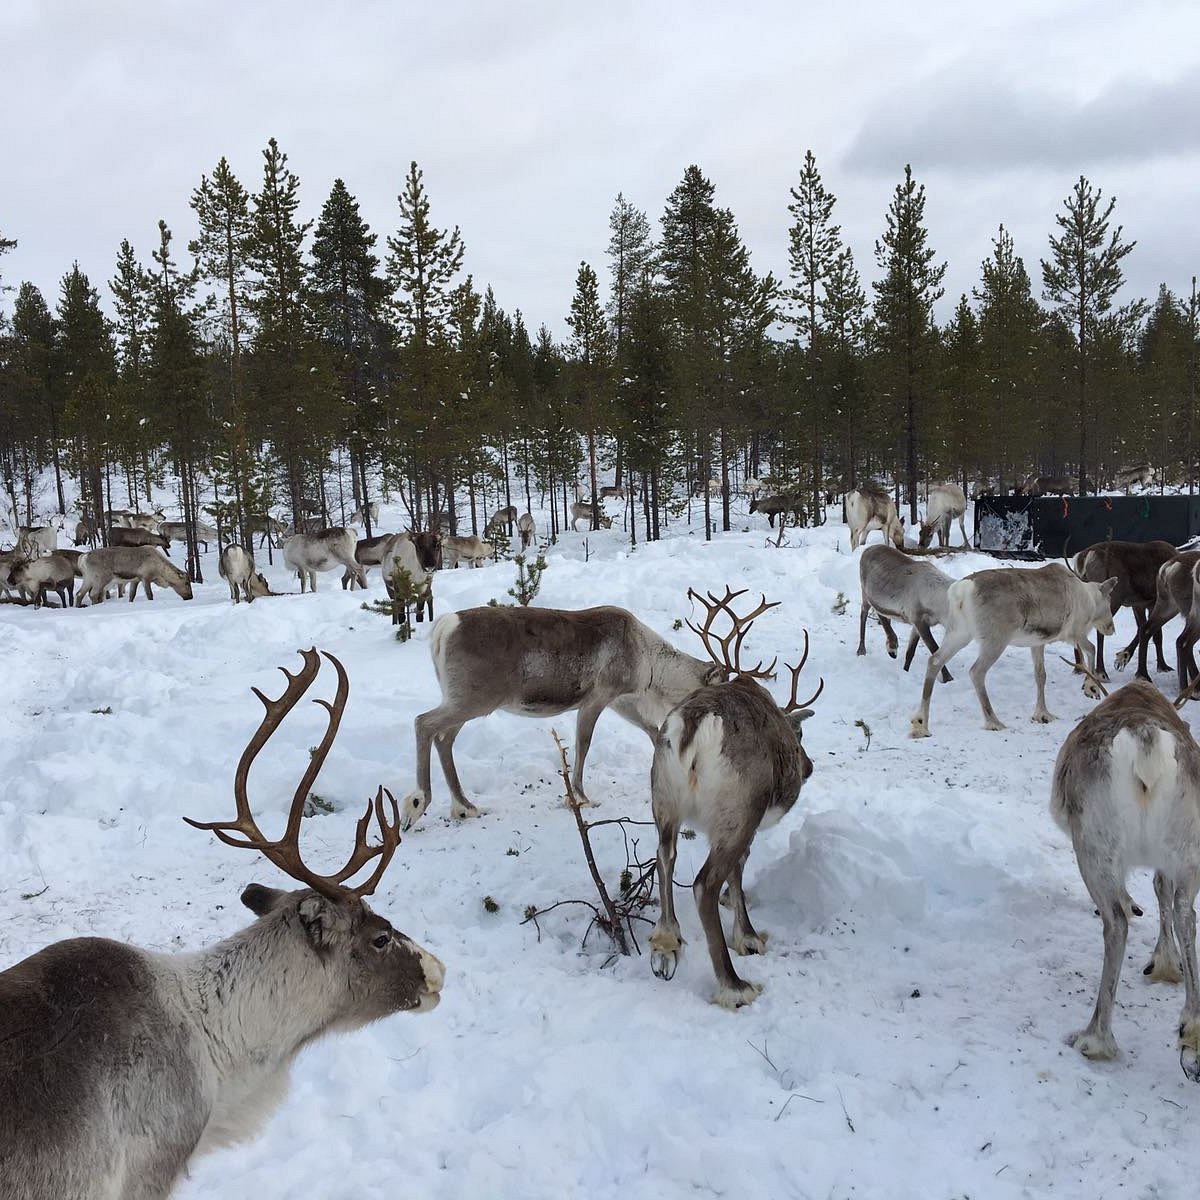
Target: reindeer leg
585, 724
460, 806
910, 650
1041, 713
1091, 689
1183, 912
953, 643
1097, 1041
893, 642
746, 940
926, 635
426, 726
666, 943
988, 653
732, 991
1164, 964
862, 628
1100, 672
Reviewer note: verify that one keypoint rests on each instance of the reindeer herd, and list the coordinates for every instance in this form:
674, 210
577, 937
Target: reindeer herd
118, 1065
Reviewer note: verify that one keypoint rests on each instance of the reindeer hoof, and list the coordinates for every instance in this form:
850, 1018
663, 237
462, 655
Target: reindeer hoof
1163, 970
1043, 717
739, 996
919, 728
995, 725
1122, 660
754, 944
1189, 1060
1189, 1048
412, 809
666, 949
462, 812
1090, 1044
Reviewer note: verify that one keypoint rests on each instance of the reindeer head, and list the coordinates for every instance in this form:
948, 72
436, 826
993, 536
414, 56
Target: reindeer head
381, 970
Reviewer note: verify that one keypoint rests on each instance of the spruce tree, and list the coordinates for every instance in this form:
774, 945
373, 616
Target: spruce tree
844, 313
1081, 280
590, 350
904, 300
31, 416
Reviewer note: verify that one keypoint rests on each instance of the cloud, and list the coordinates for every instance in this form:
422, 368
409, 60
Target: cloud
975, 124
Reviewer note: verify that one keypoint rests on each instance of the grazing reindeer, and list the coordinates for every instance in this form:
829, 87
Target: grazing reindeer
130, 564
502, 521
539, 662
900, 588
947, 503
999, 609
147, 521
135, 535
37, 576
727, 760
237, 569
1173, 596
177, 531
118, 1065
584, 511
1135, 566
870, 508
308, 553
1127, 789
779, 506
403, 551
616, 492
471, 549
526, 529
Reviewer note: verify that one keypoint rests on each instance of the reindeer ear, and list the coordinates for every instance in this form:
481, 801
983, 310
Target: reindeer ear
317, 921
261, 900
1106, 588
796, 719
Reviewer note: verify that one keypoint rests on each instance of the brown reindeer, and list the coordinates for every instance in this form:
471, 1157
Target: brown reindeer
728, 760
1173, 595
118, 1065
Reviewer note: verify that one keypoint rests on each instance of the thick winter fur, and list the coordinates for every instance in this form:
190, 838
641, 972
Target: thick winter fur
582, 511
1135, 567
540, 662
237, 569
136, 536
130, 564
469, 549
947, 503
779, 506
1127, 789
502, 520
368, 552
403, 550
526, 528
308, 553
868, 509
117, 1064
178, 531
900, 588
1173, 596
1005, 608
37, 576
727, 761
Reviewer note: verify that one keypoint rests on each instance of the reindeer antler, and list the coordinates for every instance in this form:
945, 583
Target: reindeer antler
285, 852
793, 705
731, 664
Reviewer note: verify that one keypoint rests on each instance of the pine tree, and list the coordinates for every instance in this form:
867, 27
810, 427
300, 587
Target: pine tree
31, 417
904, 300
1081, 280
590, 349
953, 441
844, 313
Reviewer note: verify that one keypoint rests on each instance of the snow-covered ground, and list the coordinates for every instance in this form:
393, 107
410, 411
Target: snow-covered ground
930, 940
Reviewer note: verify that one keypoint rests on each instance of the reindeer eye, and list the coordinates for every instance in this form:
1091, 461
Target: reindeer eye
380, 940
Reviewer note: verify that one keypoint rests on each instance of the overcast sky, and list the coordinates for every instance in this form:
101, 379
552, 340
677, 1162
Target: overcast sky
528, 118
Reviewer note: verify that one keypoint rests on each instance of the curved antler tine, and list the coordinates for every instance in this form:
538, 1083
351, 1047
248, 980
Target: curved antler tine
813, 697
389, 832
793, 704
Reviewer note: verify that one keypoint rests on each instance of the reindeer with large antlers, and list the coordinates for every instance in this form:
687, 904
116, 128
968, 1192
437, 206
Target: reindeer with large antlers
728, 760
117, 1065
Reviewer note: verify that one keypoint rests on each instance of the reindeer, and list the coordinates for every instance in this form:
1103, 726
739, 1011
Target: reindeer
526, 529
1135, 566
135, 535
502, 522
368, 552
1138, 475
237, 569
37, 576
583, 511
85, 532
870, 508
728, 760
177, 531
1127, 789
473, 550
308, 553
1001, 608
900, 588
371, 509
779, 506
119, 1065
711, 486
540, 662
947, 502
405, 552
270, 527
1047, 485
1173, 596
37, 539
129, 564
615, 492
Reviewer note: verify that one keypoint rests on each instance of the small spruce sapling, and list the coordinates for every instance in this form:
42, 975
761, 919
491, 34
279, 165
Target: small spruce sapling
529, 578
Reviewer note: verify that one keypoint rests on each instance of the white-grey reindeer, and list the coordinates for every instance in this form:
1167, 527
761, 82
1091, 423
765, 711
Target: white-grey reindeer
540, 662
1127, 789
1002, 608
308, 553
947, 503
118, 1065
236, 567
869, 508
728, 761
902, 588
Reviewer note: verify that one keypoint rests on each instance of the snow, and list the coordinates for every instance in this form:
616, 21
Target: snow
930, 945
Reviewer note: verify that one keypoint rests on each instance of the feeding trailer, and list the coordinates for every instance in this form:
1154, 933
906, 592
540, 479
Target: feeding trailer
1049, 526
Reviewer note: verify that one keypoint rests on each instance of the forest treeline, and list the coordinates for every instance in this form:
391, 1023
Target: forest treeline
296, 364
